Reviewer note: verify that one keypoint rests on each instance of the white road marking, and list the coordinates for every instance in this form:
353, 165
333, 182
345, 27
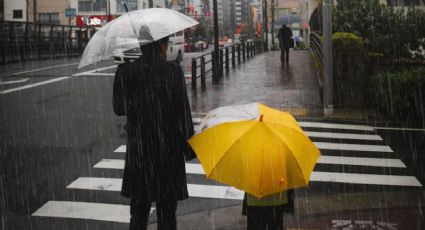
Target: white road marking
119, 164
195, 190
34, 85
13, 82
121, 149
193, 168
334, 126
399, 129
98, 74
196, 120
44, 68
344, 136
361, 161
353, 147
86, 210
95, 71
370, 179
327, 146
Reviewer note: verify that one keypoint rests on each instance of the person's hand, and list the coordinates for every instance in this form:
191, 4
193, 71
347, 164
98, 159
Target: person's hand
189, 154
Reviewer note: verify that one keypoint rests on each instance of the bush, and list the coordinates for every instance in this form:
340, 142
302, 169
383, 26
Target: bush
400, 95
349, 70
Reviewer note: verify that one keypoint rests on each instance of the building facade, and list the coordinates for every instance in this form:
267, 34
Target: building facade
15, 10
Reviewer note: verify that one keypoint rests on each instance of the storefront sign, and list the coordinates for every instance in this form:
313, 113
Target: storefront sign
93, 20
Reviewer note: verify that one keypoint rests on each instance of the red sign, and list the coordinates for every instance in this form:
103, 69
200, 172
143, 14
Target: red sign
93, 20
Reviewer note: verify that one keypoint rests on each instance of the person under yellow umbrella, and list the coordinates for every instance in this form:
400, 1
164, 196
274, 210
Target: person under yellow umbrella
255, 148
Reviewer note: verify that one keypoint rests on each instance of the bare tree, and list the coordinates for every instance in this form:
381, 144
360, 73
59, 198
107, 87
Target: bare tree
150, 3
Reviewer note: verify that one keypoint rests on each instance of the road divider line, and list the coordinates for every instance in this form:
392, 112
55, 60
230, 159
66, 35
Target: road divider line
44, 68
34, 85
195, 190
86, 210
94, 71
13, 82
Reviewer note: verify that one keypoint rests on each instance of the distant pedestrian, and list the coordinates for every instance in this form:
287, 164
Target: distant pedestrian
267, 213
285, 39
152, 94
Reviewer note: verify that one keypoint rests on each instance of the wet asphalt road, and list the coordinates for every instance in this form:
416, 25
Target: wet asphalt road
51, 134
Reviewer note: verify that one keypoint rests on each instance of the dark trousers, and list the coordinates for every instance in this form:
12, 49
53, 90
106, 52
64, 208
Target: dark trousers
165, 211
265, 217
284, 53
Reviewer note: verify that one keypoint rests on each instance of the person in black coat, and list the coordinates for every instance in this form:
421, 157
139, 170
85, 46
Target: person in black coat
152, 94
285, 40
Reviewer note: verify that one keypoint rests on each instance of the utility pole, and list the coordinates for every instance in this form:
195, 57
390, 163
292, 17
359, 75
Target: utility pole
327, 56
266, 27
216, 48
34, 10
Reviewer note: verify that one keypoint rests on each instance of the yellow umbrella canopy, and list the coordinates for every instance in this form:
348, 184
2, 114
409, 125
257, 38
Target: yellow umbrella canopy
255, 148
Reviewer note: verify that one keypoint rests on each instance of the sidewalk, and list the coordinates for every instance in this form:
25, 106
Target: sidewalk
291, 87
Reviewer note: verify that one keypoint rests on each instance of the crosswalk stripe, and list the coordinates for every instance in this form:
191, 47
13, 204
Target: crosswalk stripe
85, 210
353, 147
196, 120
329, 176
338, 160
370, 179
195, 190
344, 136
327, 146
334, 126
362, 161
307, 124
121, 149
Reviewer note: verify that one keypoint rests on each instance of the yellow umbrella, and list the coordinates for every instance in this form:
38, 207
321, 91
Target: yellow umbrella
255, 148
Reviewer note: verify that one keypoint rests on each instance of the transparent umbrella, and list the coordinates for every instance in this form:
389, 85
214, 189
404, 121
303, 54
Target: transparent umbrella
289, 19
133, 29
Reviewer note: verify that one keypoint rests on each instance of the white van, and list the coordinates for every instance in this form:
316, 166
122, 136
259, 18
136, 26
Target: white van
175, 50
176, 47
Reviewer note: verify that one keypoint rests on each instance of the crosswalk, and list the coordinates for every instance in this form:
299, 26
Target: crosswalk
340, 144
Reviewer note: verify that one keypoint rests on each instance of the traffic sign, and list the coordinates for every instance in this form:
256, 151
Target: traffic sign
70, 12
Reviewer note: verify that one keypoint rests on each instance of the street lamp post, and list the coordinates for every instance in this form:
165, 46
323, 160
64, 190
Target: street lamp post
327, 56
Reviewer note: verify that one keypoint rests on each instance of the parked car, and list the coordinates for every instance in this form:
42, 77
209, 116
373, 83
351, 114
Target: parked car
175, 52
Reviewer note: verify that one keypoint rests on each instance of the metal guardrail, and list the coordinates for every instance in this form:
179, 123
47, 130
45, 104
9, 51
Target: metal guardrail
316, 47
233, 54
24, 41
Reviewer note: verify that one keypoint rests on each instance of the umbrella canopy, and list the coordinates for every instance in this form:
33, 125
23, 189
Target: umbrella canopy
289, 19
255, 148
133, 29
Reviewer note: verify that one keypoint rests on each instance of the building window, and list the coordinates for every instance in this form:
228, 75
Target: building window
90, 5
17, 14
49, 18
131, 4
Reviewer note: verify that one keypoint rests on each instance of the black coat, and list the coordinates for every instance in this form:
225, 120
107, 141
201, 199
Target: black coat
285, 37
287, 208
159, 122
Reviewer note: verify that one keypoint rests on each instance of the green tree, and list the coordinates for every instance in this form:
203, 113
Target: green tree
383, 29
